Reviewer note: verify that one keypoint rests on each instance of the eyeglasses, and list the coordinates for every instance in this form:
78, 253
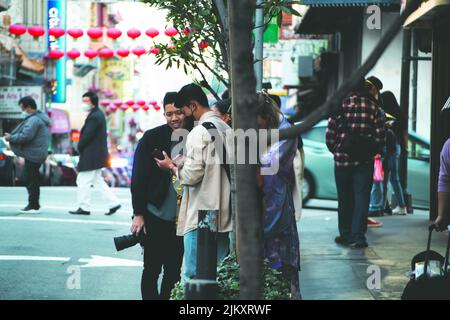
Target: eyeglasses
177, 113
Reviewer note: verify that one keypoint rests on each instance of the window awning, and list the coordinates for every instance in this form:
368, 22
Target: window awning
428, 10
334, 3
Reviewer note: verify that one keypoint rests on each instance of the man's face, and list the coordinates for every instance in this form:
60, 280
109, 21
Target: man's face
87, 101
187, 109
174, 116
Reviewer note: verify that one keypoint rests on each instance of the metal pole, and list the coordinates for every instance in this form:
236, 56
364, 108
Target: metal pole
205, 286
259, 44
415, 54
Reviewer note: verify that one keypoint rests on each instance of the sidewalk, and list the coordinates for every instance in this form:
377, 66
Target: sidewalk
333, 272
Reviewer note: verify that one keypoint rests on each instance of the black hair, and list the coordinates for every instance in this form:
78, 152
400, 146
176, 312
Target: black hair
226, 95
376, 82
28, 102
191, 92
169, 98
93, 97
224, 106
276, 99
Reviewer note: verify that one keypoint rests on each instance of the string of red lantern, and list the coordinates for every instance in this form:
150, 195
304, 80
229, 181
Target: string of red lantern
134, 105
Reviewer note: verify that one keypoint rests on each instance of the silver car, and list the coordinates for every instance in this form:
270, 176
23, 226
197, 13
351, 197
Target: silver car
319, 179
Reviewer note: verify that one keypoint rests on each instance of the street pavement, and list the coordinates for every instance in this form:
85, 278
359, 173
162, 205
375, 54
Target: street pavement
55, 255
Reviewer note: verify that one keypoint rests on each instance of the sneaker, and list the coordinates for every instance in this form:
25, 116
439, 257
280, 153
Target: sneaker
388, 211
360, 245
80, 211
371, 223
113, 210
341, 241
30, 209
400, 211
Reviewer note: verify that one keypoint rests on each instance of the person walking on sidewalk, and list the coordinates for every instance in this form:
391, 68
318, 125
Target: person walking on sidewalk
30, 140
94, 156
354, 137
155, 202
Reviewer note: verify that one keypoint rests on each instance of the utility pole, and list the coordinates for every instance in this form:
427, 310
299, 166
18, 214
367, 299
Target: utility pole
259, 44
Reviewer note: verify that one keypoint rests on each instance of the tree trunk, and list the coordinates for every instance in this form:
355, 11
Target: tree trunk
243, 91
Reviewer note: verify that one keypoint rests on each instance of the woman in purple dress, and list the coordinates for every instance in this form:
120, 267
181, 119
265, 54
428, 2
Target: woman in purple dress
281, 241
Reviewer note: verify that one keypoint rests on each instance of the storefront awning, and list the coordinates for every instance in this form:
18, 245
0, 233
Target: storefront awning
26, 62
428, 10
331, 3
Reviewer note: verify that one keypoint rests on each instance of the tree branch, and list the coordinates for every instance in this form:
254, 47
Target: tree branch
332, 102
206, 84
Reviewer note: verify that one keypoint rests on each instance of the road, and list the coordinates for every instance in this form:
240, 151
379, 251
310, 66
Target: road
47, 255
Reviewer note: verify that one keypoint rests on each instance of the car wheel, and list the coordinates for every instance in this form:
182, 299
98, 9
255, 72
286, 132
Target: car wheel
308, 187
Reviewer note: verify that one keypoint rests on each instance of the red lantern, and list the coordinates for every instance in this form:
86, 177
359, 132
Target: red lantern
124, 107
114, 33
117, 102
75, 33
17, 29
139, 51
112, 108
123, 52
152, 32
104, 102
130, 103
171, 32
153, 102
56, 32
95, 33
106, 53
154, 50
135, 108
55, 54
140, 102
91, 54
73, 54
145, 108
134, 33
157, 108
36, 31
203, 45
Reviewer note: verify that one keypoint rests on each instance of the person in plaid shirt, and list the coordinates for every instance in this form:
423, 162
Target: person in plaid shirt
354, 178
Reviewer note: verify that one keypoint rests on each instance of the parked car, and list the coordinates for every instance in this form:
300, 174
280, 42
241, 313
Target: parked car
319, 181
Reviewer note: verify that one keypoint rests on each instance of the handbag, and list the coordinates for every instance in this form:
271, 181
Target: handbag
378, 172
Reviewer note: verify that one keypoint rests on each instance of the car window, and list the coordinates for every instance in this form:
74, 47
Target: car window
316, 134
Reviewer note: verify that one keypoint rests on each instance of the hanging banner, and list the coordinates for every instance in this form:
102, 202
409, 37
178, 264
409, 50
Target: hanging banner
57, 17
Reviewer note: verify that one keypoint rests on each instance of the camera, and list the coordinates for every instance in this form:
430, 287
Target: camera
128, 241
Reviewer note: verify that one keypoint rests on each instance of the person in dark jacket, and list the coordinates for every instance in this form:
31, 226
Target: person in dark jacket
94, 156
30, 140
154, 198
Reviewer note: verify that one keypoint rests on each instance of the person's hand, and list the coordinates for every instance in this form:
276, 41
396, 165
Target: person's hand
138, 225
441, 223
166, 163
378, 156
7, 135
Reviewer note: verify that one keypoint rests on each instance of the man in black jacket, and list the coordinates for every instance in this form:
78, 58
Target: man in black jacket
154, 201
94, 156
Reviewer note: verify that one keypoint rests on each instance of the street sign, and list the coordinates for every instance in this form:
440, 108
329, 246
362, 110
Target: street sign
10, 96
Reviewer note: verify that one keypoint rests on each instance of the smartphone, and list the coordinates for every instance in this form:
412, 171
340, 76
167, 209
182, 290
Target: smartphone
158, 154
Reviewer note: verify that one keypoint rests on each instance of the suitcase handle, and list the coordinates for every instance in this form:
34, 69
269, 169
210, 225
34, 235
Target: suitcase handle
431, 228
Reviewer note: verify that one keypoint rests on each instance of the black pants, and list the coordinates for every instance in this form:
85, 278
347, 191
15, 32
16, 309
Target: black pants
162, 248
32, 178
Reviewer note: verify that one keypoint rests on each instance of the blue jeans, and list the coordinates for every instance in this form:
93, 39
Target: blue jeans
353, 186
190, 253
394, 177
376, 197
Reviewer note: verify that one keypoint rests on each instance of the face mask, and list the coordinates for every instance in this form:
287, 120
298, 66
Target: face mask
24, 114
86, 107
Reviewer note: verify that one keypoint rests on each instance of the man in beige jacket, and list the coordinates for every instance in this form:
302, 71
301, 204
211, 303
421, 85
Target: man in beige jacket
205, 180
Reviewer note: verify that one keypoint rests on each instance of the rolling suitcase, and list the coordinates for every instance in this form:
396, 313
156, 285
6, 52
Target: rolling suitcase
429, 286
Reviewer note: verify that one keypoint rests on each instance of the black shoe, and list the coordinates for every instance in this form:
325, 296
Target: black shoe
388, 211
113, 210
30, 209
360, 245
341, 240
80, 211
